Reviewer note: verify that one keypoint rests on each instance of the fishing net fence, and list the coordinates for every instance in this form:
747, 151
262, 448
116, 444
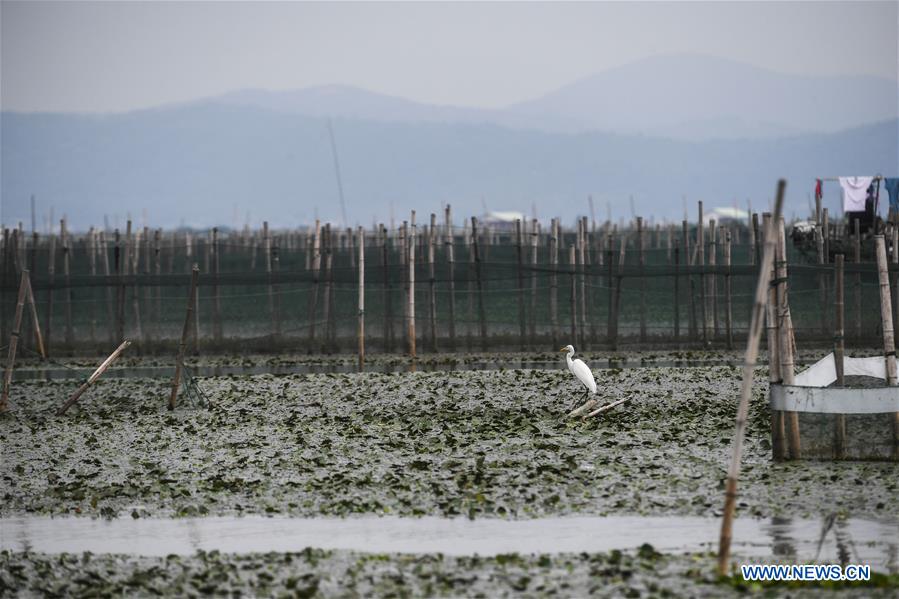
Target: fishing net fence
282, 293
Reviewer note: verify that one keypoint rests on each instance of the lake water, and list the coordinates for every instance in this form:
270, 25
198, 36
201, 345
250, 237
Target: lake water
853, 540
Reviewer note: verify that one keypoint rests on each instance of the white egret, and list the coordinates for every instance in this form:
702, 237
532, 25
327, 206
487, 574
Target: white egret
581, 371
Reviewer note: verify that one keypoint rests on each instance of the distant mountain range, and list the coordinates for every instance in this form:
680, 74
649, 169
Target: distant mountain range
687, 97
657, 131
197, 164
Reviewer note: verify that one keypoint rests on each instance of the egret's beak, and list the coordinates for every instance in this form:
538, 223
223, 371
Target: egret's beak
564, 349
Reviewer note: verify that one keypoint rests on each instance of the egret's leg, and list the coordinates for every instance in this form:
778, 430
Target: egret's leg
579, 401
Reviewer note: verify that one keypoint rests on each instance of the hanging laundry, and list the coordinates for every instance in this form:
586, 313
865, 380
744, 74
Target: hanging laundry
892, 186
855, 192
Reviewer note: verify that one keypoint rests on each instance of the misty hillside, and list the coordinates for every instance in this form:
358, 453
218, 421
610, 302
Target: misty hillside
198, 163
686, 97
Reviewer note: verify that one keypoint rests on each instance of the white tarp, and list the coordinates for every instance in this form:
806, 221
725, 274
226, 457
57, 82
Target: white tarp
824, 372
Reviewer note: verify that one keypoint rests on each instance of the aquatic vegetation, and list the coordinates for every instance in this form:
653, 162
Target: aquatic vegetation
470, 443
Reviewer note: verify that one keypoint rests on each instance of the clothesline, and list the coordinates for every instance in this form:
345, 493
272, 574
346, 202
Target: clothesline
836, 179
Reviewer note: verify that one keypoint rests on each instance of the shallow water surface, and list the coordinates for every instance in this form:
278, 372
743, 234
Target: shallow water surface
57, 371
854, 540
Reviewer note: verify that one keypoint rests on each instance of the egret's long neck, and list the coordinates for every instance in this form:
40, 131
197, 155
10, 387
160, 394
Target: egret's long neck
568, 357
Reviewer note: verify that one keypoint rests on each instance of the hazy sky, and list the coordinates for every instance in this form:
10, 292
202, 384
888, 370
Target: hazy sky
81, 56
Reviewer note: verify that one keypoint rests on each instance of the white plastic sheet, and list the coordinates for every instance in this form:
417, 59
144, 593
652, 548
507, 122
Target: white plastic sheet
824, 372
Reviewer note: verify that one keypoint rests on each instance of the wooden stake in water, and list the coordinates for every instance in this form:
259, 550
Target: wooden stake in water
216, 300
185, 332
778, 434
520, 279
838, 352
641, 262
313, 298
728, 311
411, 299
93, 378
749, 360
785, 347
700, 247
451, 283
535, 240
554, 281
432, 282
572, 263
14, 340
676, 302
482, 318
35, 321
857, 250
361, 302
886, 320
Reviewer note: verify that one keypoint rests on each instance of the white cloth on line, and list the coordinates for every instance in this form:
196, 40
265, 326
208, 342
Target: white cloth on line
855, 191
824, 372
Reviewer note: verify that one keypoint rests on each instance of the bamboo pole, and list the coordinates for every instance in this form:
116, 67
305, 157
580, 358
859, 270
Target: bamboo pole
327, 299
51, 280
886, 320
535, 240
894, 291
92, 266
432, 281
276, 289
216, 300
185, 332
676, 302
554, 281
786, 340
361, 301
728, 309
778, 435
313, 298
641, 262
93, 378
14, 340
753, 236
692, 325
822, 283
572, 262
700, 246
857, 250
386, 293
119, 257
132, 251
838, 352
749, 361
616, 305
4, 279
482, 318
519, 257
411, 300
450, 278
267, 259
610, 325
35, 321
713, 279
583, 262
